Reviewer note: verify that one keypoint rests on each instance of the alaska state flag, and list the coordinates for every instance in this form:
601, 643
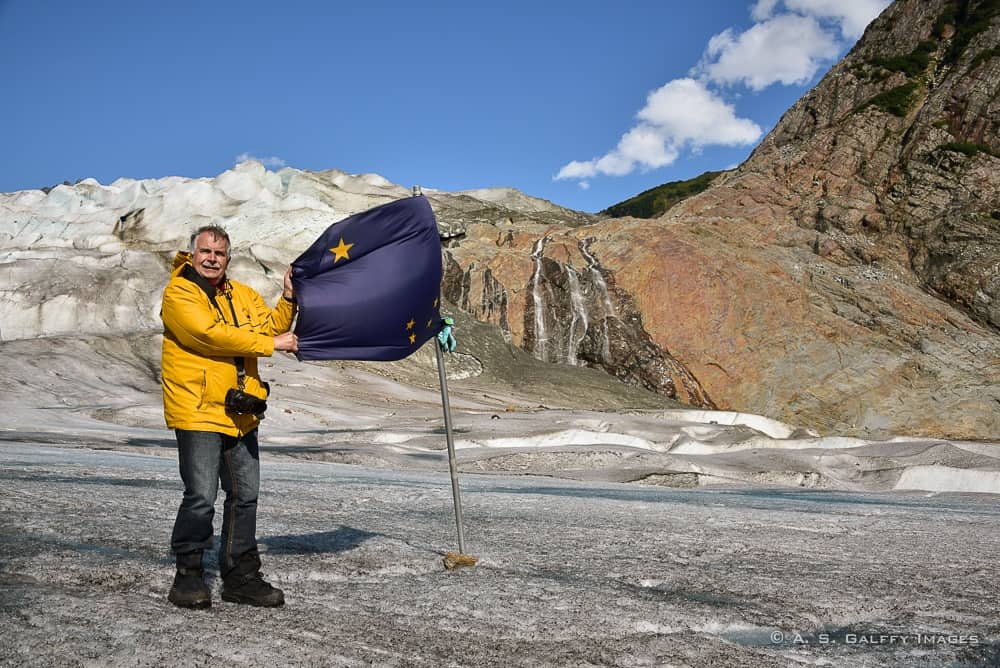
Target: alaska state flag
368, 288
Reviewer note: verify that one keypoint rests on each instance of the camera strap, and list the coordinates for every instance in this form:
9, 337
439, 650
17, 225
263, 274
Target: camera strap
211, 291
241, 370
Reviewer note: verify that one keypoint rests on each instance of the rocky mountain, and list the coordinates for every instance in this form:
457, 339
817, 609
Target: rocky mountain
846, 276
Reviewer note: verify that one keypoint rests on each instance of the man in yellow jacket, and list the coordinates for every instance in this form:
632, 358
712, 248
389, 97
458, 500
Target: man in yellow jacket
213, 398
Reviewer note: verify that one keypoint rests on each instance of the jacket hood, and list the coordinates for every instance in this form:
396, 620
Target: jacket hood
182, 258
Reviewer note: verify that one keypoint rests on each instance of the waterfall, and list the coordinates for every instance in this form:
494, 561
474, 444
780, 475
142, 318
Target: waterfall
578, 306
594, 269
541, 336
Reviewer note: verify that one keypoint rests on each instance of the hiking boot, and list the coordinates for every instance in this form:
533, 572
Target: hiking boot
189, 589
251, 589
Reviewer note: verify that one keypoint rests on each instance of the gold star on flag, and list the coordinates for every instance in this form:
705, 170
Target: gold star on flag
410, 324
340, 251
413, 338
430, 323
435, 299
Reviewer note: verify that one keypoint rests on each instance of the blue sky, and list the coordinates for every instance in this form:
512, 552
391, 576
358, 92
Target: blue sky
582, 103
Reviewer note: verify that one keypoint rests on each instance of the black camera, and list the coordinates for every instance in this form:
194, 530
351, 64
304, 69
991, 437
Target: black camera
239, 402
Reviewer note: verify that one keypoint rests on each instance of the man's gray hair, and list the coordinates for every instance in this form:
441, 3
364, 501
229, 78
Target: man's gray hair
217, 233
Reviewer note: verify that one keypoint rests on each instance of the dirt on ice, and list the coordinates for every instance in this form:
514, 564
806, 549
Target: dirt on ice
571, 573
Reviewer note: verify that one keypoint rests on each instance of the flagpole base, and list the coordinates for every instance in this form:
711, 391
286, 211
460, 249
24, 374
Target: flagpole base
455, 560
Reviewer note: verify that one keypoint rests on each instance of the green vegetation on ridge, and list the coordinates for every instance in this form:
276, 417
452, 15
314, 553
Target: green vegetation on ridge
969, 18
969, 148
896, 101
911, 64
656, 201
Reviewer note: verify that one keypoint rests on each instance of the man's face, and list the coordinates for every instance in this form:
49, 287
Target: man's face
211, 257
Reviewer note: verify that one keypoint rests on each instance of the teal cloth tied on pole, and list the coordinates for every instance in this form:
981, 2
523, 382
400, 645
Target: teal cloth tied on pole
446, 337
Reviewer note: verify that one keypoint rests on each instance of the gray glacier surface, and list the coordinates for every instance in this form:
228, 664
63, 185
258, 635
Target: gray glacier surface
571, 573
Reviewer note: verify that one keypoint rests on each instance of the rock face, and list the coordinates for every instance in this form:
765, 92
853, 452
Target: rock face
847, 276
547, 291
916, 188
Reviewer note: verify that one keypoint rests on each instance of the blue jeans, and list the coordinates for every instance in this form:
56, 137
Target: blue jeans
205, 459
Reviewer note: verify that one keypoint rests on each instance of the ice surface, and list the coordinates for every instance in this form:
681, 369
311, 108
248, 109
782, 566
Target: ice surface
949, 479
570, 573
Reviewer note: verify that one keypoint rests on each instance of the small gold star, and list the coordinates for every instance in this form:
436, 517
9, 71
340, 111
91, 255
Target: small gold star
435, 302
413, 338
340, 251
430, 323
410, 324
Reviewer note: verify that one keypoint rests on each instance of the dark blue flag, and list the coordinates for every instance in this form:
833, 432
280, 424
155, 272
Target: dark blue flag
368, 288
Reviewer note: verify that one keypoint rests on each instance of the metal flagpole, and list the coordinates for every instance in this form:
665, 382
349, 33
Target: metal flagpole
452, 560
452, 463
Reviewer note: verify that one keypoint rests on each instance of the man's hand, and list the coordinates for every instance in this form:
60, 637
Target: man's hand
289, 290
287, 342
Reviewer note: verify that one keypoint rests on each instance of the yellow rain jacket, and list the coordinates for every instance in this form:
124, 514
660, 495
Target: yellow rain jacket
201, 342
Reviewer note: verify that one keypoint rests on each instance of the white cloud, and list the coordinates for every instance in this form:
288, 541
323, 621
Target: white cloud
853, 16
789, 42
787, 49
578, 170
273, 161
763, 9
690, 113
681, 114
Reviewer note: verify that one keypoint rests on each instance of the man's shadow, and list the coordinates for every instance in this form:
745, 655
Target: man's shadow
340, 539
